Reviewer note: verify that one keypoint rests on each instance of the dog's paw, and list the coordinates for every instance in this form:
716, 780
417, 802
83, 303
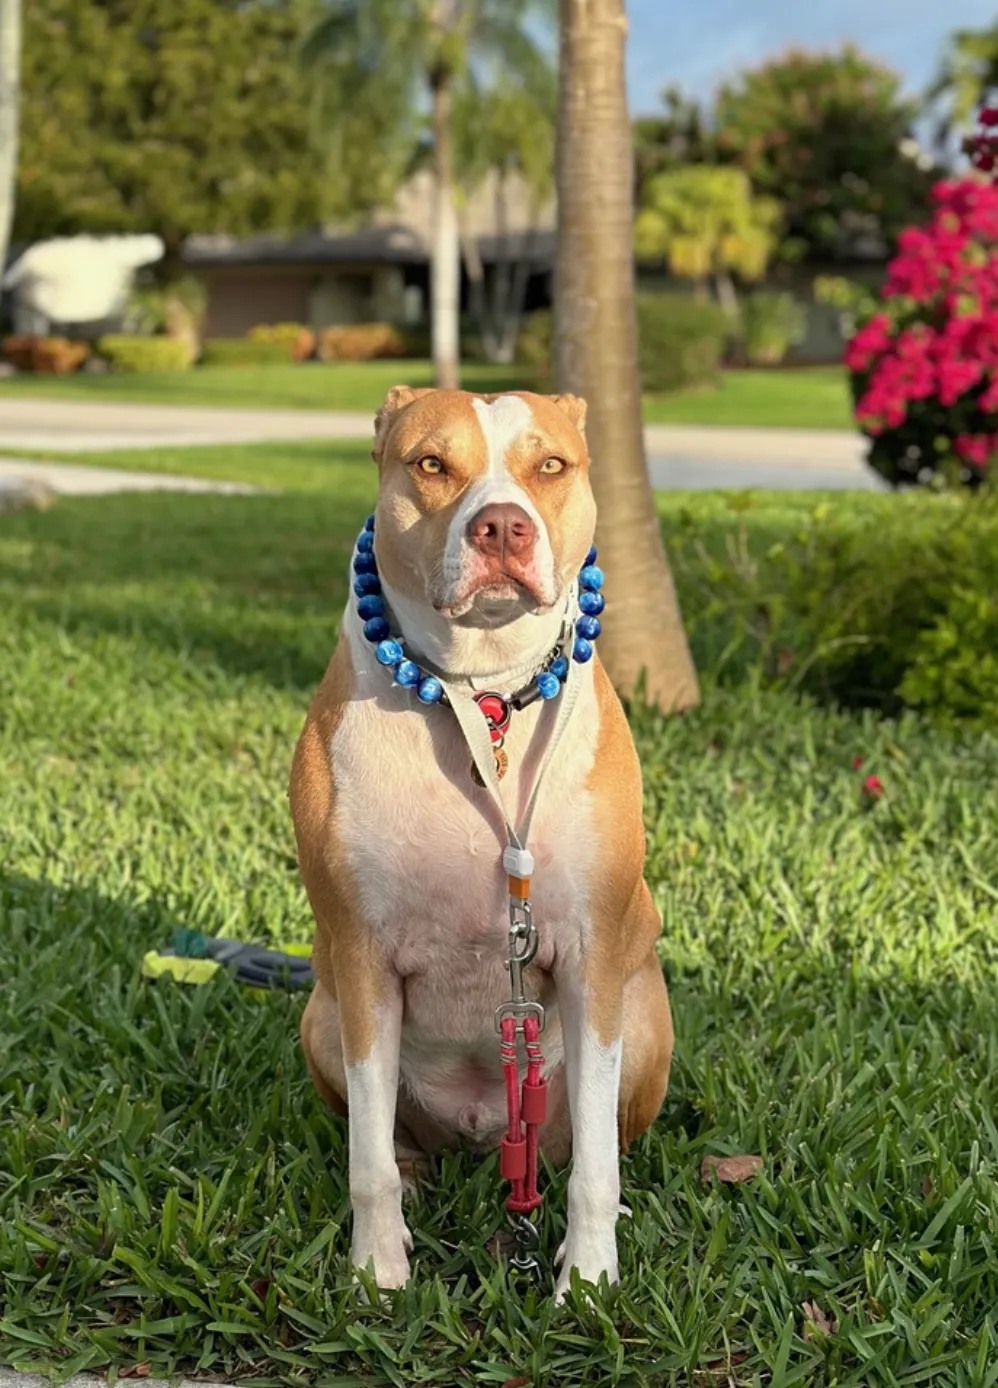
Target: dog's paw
591, 1255
383, 1246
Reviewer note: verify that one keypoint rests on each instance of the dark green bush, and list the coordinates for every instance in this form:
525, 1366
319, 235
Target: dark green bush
680, 341
243, 351
144, 354
885, 604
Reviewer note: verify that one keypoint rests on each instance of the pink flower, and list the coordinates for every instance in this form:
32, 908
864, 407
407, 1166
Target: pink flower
873, 788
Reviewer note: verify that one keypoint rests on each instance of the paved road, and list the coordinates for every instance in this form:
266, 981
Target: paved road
680, 456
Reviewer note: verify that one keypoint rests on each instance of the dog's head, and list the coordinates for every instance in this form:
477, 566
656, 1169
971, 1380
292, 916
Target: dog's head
485, 511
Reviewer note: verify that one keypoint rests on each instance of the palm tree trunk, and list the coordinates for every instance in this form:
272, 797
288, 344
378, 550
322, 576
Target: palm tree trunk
596, 354
445, 270
10, 93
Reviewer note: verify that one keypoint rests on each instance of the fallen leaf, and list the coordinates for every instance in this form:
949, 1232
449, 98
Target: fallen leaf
259, 1287
817, 1319
928, 1189
731, 1170
142, 1370
502, 1244
518, 1383
41, 1259
719, 1370
786, 659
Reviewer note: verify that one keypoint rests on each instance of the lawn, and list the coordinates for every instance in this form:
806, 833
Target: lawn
172, 1194
815, 398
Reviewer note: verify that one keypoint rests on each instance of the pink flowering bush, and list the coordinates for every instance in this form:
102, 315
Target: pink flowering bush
925, 367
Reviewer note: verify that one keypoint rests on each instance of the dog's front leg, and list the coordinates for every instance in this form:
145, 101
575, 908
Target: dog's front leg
371, 1027
591, 1026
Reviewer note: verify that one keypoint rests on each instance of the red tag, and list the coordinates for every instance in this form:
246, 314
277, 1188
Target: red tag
498, 714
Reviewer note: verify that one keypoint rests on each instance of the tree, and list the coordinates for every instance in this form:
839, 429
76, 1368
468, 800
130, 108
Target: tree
178, 117
396, 54
508, 133
10, 78
596, 353
968, 73
829, 135
679, 136
706, 223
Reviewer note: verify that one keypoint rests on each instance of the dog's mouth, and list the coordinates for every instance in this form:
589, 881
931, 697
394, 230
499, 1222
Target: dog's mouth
496, 599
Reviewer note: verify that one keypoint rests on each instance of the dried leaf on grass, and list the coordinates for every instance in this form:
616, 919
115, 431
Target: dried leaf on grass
730, 1170
817, 1319
142, 1370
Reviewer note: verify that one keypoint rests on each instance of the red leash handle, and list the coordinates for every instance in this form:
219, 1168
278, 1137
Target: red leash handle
526, 1112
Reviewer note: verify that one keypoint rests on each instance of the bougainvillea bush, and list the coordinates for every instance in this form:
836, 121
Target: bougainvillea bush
924, 367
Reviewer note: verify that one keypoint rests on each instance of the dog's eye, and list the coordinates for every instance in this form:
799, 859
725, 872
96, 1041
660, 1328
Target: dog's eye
552, 466
431, 466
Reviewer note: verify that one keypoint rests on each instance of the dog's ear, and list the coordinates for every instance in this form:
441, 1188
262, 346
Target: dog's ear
391, 407
575, 407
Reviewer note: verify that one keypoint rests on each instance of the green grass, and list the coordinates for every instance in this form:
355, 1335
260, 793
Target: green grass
810, 398
171, 1191
815, 398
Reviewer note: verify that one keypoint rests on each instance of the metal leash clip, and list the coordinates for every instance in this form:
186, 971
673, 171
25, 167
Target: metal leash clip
522, 949
528, 1243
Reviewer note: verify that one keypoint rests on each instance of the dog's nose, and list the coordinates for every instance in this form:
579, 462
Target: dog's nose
500, 530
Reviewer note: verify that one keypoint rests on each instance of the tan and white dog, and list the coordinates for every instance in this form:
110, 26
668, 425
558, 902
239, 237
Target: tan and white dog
484, 516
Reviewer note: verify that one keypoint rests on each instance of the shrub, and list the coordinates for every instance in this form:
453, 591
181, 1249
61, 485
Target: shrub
772, 323
45, 356
299, 341
924, 369
876, 602
242, 351
138, 355
360, 342
535, 344
680, 342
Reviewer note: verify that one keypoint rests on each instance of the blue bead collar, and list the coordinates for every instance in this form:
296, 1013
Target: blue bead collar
389, 648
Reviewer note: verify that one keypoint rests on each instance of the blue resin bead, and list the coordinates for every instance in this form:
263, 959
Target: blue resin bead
592, 604
365, 584
376, 629
588, 627
559, 667
387, 652
590, 558
365, 541
408, 674
591, 578
430, 690
583, 650
365, 564
371, 606
548, 685
369, 523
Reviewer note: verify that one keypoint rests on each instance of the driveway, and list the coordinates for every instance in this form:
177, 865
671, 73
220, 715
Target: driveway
680, 456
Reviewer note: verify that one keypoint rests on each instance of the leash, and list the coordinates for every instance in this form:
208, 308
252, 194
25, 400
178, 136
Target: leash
526, 1107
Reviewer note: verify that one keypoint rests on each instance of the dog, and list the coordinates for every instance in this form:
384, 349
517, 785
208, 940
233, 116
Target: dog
484, 517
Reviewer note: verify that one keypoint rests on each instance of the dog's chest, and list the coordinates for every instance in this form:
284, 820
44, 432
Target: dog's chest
423, 846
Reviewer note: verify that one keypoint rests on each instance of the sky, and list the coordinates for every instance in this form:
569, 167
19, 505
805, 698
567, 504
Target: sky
700, 42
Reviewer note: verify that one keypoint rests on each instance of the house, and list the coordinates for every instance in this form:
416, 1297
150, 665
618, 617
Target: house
378, 272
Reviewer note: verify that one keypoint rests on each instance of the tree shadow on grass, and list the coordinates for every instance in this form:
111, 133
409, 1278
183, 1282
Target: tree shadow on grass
252, 585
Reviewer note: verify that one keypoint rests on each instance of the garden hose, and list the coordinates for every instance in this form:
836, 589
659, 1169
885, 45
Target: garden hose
196, 958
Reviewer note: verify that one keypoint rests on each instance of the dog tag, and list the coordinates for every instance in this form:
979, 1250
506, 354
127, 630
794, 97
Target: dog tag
502, 766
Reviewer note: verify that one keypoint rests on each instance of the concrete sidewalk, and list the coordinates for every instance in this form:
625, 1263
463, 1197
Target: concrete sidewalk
76, 479
71, 426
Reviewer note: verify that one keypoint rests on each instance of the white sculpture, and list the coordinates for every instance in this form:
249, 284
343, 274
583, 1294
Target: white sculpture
78, 279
